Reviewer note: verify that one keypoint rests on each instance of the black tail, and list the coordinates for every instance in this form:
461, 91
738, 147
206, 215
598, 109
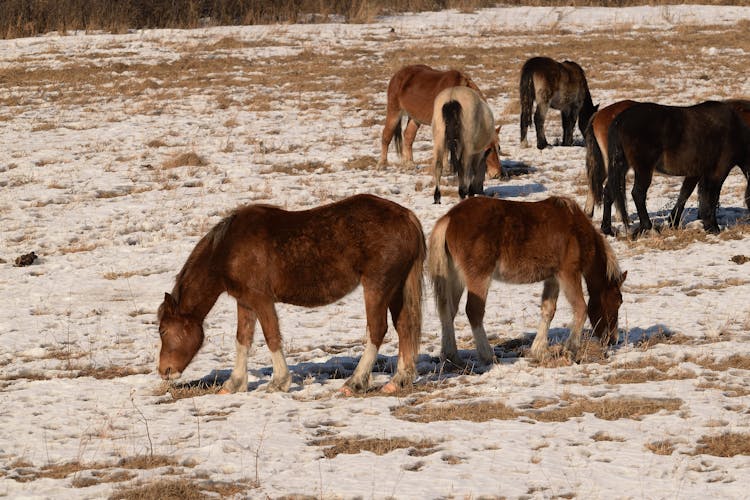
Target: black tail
526, 90
397, 138
596, 173
617, 170
587, 108
452, 120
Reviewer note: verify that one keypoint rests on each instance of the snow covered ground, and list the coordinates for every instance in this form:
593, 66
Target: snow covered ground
92, 128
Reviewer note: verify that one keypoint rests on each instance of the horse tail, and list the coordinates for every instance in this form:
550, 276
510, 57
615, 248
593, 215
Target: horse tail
397, 137
442, 269
527, 91
596, 172
617, 170
452, 120
409, 340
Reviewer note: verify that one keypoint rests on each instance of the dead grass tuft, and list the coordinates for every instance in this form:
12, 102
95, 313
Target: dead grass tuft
605, 408
604, 436
729, 390
361, 163
100, 470
187, 390
353, 445
727, 444
191, 159
661, 447
735, 361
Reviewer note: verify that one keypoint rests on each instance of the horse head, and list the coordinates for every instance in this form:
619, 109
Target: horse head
494, 166
604, 307
181, 338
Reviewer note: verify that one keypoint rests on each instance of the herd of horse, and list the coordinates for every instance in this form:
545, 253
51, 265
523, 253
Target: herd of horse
261, 254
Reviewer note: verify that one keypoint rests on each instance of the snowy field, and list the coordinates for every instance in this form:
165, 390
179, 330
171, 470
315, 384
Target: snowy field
118, 152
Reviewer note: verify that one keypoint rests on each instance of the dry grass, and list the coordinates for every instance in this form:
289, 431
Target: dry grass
191, 159
727, 444
379, 446
100, 470
661, 447
604, 408
604, 436
187, 390
735, 361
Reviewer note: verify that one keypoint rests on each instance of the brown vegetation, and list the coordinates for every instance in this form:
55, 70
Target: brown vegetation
379, 446
604, 408
727, 444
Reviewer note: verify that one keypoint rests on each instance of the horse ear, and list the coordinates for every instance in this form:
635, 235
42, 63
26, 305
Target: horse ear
497, 129
170, 305
623, 276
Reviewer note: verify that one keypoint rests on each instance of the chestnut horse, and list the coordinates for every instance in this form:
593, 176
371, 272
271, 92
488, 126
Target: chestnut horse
523, 242
701, 142
554, 85
462, 137
597, 157
262, 254
411, 92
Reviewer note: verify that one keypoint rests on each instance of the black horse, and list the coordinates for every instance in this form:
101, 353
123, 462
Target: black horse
702, 143
556, 85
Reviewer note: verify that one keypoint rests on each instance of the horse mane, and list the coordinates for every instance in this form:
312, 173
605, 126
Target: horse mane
209, 243
603, 246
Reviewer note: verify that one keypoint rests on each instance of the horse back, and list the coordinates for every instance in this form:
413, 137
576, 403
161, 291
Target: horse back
477, 121
416, 87
519, 242
314, 257
679, 140
603, 118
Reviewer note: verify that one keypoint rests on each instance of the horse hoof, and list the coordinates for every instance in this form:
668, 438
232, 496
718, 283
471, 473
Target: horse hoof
524, 143
346, 391
389, 388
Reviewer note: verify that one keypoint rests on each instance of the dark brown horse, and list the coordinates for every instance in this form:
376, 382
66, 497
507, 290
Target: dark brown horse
556, 85
521, 242
411, 92
262, 254
701, 142
463, 138
597, 157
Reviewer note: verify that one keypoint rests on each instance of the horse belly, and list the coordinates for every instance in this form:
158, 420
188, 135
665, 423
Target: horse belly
521, 273
310, 291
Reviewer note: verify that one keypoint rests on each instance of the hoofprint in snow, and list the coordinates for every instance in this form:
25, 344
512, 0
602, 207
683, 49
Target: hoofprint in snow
91, 126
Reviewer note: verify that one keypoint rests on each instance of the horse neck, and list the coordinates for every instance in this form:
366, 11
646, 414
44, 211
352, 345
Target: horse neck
198, 286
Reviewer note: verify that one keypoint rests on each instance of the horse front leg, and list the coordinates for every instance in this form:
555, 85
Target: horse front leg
571, 286
568, 123
392, 124
551, 291
237, 381
688, 185
281, 380
708, 202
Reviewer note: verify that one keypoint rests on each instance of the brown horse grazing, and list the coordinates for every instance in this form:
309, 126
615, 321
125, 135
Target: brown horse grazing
701, 142
597, 157
523, 242
411, 92
462, 133
557, 85
262, 254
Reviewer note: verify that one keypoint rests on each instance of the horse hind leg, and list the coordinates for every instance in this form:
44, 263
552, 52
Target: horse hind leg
448, 291
475, 307
551, 291
539, 116
407, 153
392, 127
377, 324
407, 325
641, 184
237, 381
